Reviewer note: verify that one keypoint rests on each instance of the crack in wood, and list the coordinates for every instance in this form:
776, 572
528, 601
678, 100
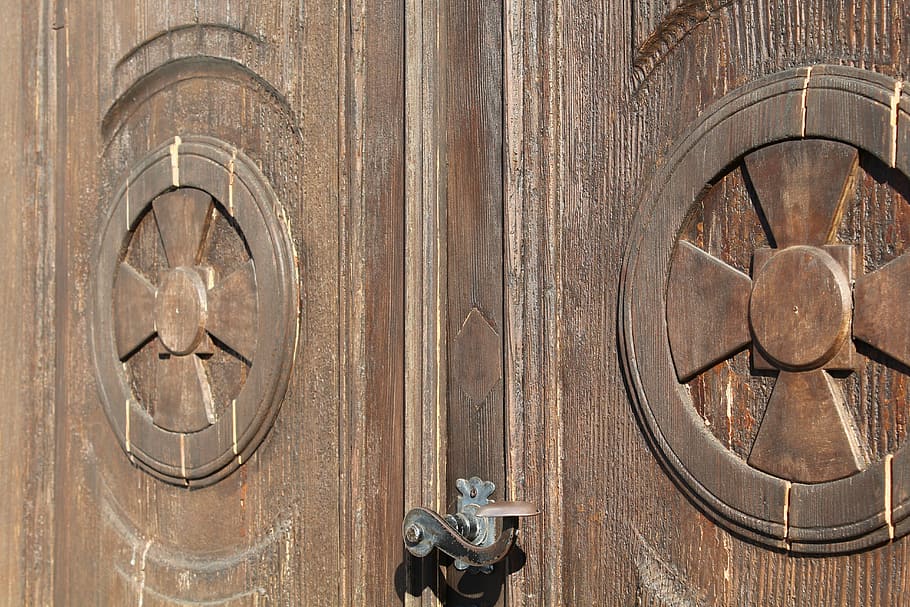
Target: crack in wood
895, 102
888, 507
787, 489
805, 98
175, 161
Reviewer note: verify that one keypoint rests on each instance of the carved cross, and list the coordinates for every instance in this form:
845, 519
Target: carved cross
184, 311
800, 310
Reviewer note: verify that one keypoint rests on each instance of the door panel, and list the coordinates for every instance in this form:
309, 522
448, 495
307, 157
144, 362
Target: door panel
474, 272
372, 399
482, 206
535, 173
630, 82
274, 85
28, 127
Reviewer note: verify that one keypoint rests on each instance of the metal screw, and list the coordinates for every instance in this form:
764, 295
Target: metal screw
413, 533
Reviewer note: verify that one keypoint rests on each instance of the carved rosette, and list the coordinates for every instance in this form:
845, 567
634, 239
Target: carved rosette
195, 311
805, 307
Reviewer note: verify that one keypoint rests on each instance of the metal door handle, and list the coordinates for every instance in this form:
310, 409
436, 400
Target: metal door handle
469, 535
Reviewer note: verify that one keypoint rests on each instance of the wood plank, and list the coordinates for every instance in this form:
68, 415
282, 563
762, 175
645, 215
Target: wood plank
473, 120
374, 306
535, 174
424, 267
266, 536
27, 310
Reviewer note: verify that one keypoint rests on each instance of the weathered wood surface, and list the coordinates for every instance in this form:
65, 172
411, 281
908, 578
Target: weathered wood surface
712, 322
474, 211
535, 176
425, 285
312, 92
806, 435
473, 101
28, 131
597, 109
594, 98
373, 326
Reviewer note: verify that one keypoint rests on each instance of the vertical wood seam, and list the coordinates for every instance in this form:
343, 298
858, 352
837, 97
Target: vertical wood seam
57, 116
895, 103
344, 289
889, 488
805, 102
424, 276
533, 106
557, 168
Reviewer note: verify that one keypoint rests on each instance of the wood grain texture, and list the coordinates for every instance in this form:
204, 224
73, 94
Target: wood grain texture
141, 548
474, 215
232, 310
183, 402
806, 435
425, 285
312, 93
582, 134
707, 319
27, 407
659, 25
535, 173
875, 295
475, 444
183, 218
611, 140
800, 307
799, 206
373, 334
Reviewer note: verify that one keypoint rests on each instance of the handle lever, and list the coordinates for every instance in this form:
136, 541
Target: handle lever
470, 535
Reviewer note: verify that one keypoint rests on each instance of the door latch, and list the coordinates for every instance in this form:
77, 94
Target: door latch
470, 535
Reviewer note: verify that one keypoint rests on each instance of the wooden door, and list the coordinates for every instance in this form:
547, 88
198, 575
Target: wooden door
692, 437
208, 242
283, 270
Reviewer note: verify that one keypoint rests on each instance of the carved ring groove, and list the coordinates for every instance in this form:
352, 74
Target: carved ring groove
195, 308
806, 486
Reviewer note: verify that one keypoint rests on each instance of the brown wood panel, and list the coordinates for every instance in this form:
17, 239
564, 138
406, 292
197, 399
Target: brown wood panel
552, 120
27, 124
473, 119
475, 444
163, 543
631, 81
373, 309
535, 170
425, 286
312, 93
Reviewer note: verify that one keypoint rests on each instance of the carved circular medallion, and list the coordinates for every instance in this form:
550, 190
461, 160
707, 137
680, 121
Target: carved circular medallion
789, 303
800, 308
181, 308
194, 318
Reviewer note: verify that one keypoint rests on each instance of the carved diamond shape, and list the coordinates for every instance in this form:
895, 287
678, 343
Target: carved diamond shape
476, 357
